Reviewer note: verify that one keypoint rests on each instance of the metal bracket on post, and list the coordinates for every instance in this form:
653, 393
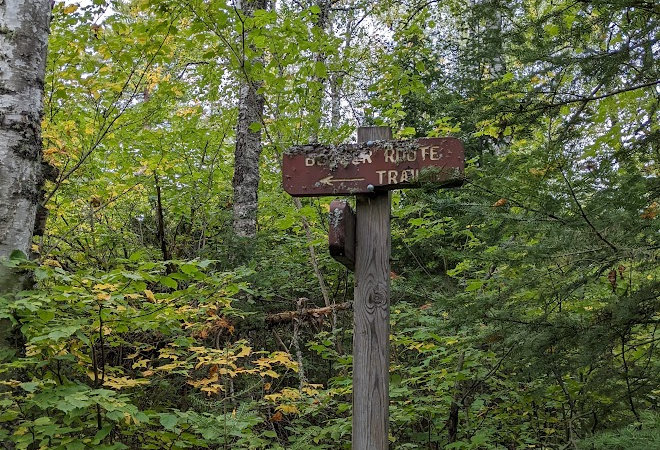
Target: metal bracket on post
341, 235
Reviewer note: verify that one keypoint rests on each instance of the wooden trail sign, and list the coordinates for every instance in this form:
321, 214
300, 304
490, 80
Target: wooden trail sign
369, 170
375, 165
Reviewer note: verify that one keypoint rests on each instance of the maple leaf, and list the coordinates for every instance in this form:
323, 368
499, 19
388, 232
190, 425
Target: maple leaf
245, 351
122, 382
288, 409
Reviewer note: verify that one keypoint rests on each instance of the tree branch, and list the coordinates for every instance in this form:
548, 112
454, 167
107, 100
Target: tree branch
584, 215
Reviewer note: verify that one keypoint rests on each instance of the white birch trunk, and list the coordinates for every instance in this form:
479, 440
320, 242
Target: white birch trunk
24, 26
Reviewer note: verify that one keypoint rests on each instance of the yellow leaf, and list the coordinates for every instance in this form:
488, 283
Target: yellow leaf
213, 389
309, 390
537, 172
284, 359
245, 351
271, 373
52, 263
122, 382
141, 363
272, 397
288, 409
205, 381
291, 394
167, 367
149, 295
105, 287
262, 362
70, 9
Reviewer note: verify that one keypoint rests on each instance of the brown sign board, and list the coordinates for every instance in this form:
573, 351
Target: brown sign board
341, 234
315, 169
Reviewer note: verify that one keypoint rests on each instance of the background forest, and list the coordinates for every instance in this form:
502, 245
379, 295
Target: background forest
524, 304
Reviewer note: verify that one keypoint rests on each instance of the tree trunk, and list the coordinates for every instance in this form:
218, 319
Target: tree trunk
248, 146
317, 92
24, 26
335, 102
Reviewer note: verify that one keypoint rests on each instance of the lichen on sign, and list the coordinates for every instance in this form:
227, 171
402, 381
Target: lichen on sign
316, 169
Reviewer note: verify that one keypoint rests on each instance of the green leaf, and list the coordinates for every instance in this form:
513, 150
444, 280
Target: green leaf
46, 315
9, 415
169, 282
189, 269
18, 255
132, 276
40, 274
320, 70
474, 285
169, 421
408, 131
30, 386
551, 29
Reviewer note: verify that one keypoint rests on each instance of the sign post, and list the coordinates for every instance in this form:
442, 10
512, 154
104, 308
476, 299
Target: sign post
369, 169
371, 313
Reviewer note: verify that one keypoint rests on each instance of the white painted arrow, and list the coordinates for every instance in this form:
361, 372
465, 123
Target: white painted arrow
330, 179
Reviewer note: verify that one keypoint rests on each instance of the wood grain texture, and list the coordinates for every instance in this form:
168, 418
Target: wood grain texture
371, 319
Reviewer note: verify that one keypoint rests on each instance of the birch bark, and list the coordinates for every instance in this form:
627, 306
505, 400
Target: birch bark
248, 147
24, 26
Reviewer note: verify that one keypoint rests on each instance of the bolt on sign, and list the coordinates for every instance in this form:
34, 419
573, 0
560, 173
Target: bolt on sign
315, 169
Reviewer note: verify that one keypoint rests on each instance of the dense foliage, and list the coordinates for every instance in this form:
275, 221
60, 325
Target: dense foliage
524, 304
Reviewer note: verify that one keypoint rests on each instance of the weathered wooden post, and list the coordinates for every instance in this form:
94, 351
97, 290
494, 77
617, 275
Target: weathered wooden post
369, 169
371, 312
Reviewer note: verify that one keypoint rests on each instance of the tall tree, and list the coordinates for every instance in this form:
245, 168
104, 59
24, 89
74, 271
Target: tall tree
248, 139
24, 29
